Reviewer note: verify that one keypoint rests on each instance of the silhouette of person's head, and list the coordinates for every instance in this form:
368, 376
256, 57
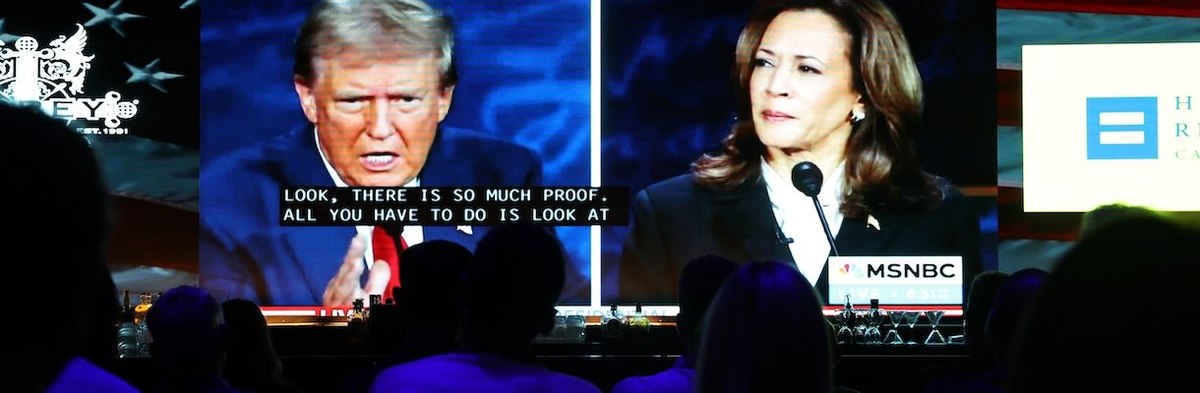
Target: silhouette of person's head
431, 272
979, 304
251, 362
190, 335
765, 330
427, 318
60, 210
1104, 215
1012, 300
698, 284
511, 288
1087, 329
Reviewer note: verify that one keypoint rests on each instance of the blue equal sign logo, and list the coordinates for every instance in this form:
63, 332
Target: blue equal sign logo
1122, 128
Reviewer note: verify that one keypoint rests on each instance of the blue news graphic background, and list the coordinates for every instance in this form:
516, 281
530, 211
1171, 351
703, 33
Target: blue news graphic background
523, 65
667, 97
664, 78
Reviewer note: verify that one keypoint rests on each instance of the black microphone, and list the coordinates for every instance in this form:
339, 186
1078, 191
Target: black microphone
807, 178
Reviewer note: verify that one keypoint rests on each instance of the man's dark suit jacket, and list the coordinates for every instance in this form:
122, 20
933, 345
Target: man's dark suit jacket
676, 221
245, 253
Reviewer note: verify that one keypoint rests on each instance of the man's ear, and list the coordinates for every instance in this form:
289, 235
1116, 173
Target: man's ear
308, 101
446, 96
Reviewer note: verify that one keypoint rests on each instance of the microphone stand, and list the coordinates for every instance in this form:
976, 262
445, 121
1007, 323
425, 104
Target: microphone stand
825, 225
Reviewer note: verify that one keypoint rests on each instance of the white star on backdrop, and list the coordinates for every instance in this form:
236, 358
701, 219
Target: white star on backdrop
149, 75
112, 15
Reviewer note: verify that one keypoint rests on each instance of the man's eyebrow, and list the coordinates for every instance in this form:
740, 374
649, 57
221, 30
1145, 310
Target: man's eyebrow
349, 93
404, 88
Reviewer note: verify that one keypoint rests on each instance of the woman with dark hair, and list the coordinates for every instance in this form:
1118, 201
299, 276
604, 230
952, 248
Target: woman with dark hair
251, 362
765, 332
830, 82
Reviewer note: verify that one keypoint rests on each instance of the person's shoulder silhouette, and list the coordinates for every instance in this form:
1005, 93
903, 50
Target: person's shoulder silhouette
698, 284
510, 289
1087, 330
765, 329
190, 340
59, 210
251, 362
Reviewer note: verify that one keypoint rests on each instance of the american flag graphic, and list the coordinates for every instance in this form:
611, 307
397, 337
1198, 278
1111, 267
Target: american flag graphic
148, 51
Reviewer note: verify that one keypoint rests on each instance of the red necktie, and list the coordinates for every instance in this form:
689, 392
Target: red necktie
384, 247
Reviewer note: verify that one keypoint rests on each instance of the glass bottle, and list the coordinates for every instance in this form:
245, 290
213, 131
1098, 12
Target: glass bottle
143, 306
356, 322
638, 323
127, 346
874, 319
375, 301
612, 323
143, 333
845, 318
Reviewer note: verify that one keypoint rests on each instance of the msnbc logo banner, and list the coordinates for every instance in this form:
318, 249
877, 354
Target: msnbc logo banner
897, 280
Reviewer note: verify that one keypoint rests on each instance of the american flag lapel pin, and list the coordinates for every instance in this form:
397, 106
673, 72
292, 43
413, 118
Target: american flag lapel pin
872, 223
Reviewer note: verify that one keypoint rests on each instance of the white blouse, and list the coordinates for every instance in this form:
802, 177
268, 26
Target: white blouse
797, 218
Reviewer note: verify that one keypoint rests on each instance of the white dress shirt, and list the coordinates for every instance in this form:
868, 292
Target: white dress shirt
412, 233
797, 217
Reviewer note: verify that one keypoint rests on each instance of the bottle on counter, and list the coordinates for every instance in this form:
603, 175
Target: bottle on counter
639, 325
612, 323
874, 319
143, 333
845, 322
127, 345
357, 322
375, 301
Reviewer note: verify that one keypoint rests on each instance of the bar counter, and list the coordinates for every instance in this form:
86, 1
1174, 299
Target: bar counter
320, 353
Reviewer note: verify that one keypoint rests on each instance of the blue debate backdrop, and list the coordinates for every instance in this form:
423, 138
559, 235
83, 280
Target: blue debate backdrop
667, 95
523, 67
665, 90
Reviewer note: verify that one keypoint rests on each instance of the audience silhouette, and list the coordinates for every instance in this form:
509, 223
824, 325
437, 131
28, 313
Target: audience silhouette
432, 271
765, 332
981, 355
1012, 300
1107, 214
1113, 315
698, 284
251, 363
190, 340
509, 293
60, 210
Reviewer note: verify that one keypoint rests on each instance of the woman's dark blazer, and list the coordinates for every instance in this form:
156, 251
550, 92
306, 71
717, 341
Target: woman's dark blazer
676, 221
